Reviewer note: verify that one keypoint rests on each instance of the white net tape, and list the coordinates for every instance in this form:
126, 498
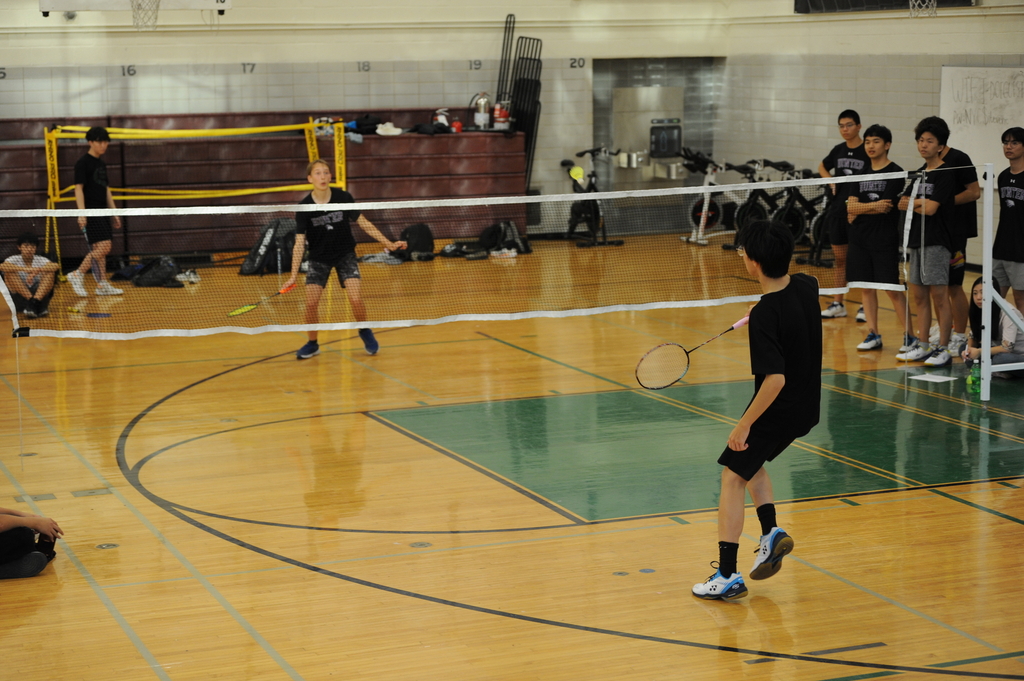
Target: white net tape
144, 14
923, 8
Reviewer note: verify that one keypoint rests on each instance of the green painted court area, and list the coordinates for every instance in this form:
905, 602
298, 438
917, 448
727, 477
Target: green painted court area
633, 453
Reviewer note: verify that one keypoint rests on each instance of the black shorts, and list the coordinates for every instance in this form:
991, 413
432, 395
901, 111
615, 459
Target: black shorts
320, 272
838, 226
98, 229
880, 267
760, 450
958, 264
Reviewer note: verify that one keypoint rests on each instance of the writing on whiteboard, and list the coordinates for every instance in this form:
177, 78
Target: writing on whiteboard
980, 100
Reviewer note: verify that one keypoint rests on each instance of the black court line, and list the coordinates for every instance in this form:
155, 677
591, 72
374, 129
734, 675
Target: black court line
830, 651
131, 475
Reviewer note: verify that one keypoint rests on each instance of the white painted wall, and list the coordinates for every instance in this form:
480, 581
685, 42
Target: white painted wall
787, 75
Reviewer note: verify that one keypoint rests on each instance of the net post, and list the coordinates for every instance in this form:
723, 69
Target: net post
340, 159
987, 287
311, 147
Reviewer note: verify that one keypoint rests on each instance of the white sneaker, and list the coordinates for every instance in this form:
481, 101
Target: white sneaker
872, 342
775, 546
193, 277
940, 357
505, 253
834, 310
861, 316
717, 587
916, 353
105, 289
77, 283
908, 342
933, 334
957, 342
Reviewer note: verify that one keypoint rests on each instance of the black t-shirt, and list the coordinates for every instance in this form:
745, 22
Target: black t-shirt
877, 231
937, 185
91, 172
1009, 243
785, 338
841, 161
965, 216
328, 233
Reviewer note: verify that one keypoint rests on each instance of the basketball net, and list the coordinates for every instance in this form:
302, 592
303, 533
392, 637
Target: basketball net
144, 14
923, 8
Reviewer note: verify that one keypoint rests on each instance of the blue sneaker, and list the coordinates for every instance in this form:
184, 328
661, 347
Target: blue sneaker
872, 342
775, 546
718, 588
310, 349
369, 342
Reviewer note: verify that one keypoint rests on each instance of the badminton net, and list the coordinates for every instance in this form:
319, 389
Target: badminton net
660, 263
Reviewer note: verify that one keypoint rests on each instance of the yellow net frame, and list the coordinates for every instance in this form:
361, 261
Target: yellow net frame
55, 195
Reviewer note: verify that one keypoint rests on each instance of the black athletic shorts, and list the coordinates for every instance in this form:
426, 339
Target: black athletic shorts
838, 226
760, 450
958, 263
881, 267
98, 229
319, 272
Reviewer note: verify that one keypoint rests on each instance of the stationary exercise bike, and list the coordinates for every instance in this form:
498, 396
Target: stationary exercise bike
587, 213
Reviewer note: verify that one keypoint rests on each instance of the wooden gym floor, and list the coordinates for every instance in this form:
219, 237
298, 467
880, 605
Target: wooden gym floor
497, 500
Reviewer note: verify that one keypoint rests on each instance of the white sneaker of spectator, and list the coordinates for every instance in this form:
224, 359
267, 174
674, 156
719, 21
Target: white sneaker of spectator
105, 289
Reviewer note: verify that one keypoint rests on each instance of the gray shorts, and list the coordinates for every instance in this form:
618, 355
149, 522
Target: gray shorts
319, 272
929, 266
1009, 273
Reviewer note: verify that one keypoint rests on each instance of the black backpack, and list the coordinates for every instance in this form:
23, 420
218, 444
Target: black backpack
419, 242
158, 272
274, 247
367, 124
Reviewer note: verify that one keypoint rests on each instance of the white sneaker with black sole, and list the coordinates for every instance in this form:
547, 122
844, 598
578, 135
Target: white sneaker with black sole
105, 289
833, 310
861, 316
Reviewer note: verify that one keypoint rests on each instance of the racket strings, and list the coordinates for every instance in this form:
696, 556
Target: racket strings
662, 366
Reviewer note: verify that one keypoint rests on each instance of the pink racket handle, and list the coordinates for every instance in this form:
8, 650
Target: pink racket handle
742, 322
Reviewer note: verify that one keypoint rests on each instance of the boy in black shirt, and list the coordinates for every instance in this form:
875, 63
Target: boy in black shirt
785, 358
92, 190
1008, 249
930, 244
963, 226
847, 158
331, 246
874, 253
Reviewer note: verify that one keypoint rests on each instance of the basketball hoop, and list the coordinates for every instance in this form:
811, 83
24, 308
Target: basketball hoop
144, 14
922, 8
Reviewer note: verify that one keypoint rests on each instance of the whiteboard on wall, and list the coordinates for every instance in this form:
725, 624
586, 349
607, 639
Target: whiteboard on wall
979, 103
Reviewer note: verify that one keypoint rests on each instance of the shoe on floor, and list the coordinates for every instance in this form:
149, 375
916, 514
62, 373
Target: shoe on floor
41, 309
105, 289
916, 353
77, 283
833, 310
957, 343
872, 342
369, 342
29, 565
310, 349
861, 316
30, 311
718, 588
933, 334
775, 546
939, 357
908, 342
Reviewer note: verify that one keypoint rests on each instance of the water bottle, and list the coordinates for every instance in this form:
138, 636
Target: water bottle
974, 378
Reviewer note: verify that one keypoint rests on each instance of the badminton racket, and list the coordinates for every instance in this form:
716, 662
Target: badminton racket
667, 363
253, 306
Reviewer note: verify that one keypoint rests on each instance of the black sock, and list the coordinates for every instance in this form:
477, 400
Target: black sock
727, 558
766, 514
